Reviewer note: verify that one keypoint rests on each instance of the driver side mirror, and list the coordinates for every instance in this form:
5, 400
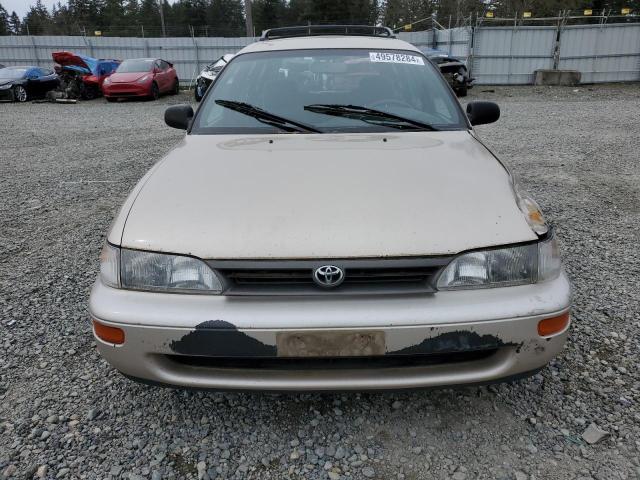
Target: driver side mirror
480, 113
178, 116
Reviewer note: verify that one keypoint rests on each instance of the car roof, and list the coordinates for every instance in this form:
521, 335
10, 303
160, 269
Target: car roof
329, 41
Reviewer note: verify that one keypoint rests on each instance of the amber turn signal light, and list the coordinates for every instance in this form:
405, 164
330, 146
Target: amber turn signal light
108, 334
552, 325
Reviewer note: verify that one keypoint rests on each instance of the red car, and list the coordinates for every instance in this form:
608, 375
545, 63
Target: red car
141, 77
82, 76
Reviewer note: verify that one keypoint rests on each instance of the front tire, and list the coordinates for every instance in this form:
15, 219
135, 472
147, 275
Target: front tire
200, 90
20, 94
155, 91
176, 88
461, 91
89, 92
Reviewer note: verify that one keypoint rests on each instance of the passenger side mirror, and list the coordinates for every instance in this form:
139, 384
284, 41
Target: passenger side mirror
480, 112
178, 116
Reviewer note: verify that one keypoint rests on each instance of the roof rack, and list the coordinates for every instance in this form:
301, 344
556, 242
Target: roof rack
314, 30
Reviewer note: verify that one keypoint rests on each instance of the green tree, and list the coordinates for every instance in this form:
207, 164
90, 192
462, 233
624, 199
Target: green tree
149, 17
37, 21
269, 14
113, 14
297, 12
131, 11
4, 21
15, 26
63, 21
226, 18
398, 13
84, 13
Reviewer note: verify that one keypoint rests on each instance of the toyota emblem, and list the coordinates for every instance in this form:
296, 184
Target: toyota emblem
328, 276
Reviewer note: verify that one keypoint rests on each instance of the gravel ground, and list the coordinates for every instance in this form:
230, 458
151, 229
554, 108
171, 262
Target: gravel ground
64, 413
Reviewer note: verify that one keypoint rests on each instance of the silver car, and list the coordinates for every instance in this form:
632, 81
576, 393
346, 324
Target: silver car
209, 74
330, 221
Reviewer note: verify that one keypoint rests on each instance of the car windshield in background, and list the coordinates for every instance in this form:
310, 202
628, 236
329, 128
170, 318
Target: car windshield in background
12, 73
282, 83
132, 66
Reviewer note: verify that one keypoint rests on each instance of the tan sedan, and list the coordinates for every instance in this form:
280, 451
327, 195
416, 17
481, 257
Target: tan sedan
330, 221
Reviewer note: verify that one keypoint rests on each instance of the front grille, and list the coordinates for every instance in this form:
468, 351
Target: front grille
333, 363
369, 276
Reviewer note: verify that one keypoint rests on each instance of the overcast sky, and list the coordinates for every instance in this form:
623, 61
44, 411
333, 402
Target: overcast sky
22, 6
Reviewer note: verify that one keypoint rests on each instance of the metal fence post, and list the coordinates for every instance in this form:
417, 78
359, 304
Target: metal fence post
35, 50
195, 44
638, 62
556, 44
513, 34
88, 44
470, 48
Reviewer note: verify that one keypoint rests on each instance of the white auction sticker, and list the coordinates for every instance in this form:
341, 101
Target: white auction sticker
386, 57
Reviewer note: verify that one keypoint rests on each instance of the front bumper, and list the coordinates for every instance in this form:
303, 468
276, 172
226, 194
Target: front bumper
477, 336
6, 95
116, 90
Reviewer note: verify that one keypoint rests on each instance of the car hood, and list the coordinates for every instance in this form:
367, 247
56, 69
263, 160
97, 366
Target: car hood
127, 77
323, 196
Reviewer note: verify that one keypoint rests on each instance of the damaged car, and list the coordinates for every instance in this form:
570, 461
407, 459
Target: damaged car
82, 76
329, 222
453, 69
209, 74
22, 84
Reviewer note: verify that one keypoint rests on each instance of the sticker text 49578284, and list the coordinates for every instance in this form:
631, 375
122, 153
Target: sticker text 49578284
387, 57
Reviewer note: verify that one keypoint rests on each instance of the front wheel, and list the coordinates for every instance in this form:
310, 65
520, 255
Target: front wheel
20, 94
196, 95
89, 92
176, 88
155, 91
200, 90
461, 91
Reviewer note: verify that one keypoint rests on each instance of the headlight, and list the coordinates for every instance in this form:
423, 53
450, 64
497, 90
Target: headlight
106, 80
143, 79
137, 270
502, 267
5, 87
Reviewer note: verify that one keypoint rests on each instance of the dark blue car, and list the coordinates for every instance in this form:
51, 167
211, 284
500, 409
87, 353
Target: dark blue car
25, 83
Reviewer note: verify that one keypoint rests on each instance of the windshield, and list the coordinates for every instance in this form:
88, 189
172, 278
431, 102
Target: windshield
12, 73
132, 66
283, 83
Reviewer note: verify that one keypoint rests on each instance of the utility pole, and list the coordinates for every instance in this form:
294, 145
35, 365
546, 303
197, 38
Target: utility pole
248, 17
164, 32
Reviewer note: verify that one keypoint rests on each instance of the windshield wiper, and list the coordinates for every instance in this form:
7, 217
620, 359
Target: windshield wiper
266, 117
369, 115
